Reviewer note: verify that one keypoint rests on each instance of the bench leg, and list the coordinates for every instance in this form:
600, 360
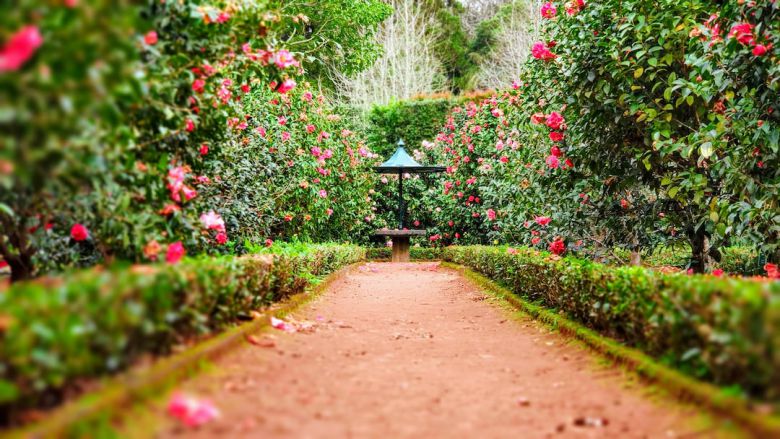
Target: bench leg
401, 249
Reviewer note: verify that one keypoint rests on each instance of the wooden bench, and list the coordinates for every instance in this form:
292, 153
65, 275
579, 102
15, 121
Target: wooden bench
400, 240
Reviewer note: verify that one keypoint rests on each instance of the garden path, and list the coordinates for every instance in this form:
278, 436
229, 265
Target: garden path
416, 350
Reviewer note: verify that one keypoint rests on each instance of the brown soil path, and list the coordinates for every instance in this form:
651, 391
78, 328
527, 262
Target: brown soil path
415, 350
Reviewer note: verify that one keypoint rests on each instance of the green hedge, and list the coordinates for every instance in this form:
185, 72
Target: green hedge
725, 330
55, 332
734, 260
415, 253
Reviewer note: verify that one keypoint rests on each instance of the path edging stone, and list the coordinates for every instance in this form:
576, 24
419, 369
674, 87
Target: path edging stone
679, 385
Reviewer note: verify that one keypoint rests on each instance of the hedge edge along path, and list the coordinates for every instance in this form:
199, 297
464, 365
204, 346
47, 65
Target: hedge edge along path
681, 386
138, 386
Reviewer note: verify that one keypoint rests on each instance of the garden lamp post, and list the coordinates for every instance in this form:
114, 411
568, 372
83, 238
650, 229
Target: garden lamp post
399, 164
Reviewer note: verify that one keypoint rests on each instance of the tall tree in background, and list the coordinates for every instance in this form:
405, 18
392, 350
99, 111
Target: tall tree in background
514, 25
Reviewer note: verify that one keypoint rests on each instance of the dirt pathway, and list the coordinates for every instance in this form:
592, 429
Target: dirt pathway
415, 350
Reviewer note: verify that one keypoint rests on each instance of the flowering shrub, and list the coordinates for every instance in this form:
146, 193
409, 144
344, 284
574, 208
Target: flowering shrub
719, 329
115, 139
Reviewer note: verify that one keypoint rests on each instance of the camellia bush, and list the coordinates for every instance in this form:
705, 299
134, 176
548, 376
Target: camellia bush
110, 108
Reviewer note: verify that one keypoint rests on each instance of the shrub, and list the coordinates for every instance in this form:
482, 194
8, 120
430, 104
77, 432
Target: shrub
720, 329
415, 253
57, 331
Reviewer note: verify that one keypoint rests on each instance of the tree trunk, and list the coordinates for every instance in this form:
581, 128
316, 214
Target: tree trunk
21, 267
701, 261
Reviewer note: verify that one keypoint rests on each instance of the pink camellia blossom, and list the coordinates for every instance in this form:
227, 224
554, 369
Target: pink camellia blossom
286, 86
223, 17
310, 128
79, 233
542, 220
316, 151
151, 38
717, 272
212, 221
540, 51
329, 211
190, 411
558, 246
20, 48
323, 193
536, 240
286, 136
307, 97
491, 214
189, 125
743, 32
552, 162
760, 50
269, 242
574, 6
549, 10
175, 253
511, 251
283, 59
282, 325
554, 120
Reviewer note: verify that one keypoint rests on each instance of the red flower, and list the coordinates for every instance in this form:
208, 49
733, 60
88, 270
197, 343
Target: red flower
760, 50
555, 151
79, 233
269, 242
542, 220
557, 247
537, 118
743, 32
151, 38
190, 125
286, 86
204, 149
221, 238
556, 136
717, 272
536, 240
3, 264
20, 48
175, 253
624, 204
772, 271
198, 85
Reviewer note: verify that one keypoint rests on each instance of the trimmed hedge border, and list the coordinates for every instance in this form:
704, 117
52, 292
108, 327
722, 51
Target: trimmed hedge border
98, 322
678, 384
722, 330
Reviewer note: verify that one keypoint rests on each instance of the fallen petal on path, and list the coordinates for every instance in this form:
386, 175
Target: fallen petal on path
191, 411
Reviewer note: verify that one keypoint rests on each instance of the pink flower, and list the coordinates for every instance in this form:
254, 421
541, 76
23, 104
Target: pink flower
269, 242
540, 51
323, 193
189, 125
743, 32
316, 151
283, 59
554, 120
151, 38
491, 214
538, 118
282, 325
549, 10
307, 96
552, 162
285, 136
286, 86
221, 238
542, 220
212, 221
175, 253
329, 211
20, 48
310, 128
536, 240
717, 272
557, 247
79, 233
190, 411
